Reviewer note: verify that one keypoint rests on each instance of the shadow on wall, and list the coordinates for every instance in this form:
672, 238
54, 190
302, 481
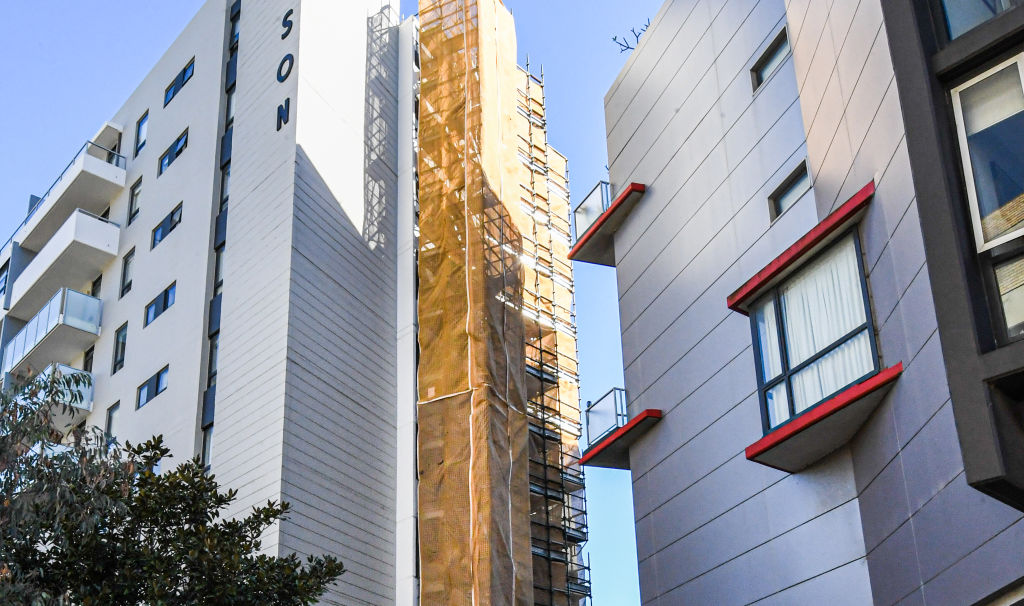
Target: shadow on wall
380, 156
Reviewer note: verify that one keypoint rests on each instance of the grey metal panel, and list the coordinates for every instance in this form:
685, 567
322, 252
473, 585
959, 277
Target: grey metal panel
843, 586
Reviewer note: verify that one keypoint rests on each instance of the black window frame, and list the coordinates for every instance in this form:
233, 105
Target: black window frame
179, 81
781, 39
173, 152
791, 179
108, 422
120, 349
88, 358
127, 263
134, 194
5, 272
166, 226
140, 141
787, 373
160, 304
152, 386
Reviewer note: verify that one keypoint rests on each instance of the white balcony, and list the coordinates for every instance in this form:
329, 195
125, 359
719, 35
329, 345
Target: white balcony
89, 182
77, 253
60, 332
77, 406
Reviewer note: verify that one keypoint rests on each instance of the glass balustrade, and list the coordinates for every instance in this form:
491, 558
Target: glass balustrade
66, 308
606, 415
587, 211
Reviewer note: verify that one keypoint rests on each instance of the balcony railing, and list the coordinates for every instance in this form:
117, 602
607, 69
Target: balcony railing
606, 415
68, 308
86, 156
587, 211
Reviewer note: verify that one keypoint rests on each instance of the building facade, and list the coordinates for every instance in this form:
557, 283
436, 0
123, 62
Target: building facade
811, 215
233, 260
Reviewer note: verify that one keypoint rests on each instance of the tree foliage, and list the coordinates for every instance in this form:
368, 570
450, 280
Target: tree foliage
86, 521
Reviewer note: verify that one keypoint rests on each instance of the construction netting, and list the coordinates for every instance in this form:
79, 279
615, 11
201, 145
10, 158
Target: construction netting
474, 503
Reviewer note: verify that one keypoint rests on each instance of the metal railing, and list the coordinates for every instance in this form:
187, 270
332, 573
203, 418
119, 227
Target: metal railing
606, 415
90, 148
587, 211
67, 307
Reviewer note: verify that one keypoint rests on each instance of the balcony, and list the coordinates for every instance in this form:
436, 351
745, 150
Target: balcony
61, 331
610, 431
79, 251
597, 218
89, 182
64, 417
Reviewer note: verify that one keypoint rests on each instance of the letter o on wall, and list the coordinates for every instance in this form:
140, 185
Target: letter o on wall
285, 68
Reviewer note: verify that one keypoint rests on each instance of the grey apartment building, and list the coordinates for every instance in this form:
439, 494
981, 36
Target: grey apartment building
814, 212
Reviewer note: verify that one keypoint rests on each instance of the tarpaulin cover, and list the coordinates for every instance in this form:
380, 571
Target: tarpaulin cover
473, 503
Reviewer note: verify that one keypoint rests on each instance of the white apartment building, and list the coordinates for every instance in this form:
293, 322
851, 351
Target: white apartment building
224, 257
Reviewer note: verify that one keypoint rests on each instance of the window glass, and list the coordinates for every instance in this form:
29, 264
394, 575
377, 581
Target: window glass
825, 344
3, 278
1010, 281
229, 114
207, 446
166, 226
795, 186
126, 272
141, 128
133, 201
143, 396
771, 59
161, 380
173, 152
992, 128
110, 427
120, 348
87, 360
964, 15
97, 284
225, 185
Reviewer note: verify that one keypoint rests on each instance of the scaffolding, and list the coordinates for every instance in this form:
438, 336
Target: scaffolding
501, 505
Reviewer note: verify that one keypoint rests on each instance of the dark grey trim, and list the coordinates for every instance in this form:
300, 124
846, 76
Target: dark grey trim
926, 64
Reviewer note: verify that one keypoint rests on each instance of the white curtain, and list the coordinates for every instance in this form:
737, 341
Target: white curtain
821, 304
778, 404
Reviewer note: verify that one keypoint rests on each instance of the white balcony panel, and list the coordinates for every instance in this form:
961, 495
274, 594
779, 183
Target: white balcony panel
77, 253
63, 418
90, 182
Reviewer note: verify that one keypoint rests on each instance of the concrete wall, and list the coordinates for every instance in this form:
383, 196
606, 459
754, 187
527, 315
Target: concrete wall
682, 118
927, 533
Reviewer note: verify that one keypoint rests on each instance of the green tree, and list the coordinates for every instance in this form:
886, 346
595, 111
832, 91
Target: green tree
86, 521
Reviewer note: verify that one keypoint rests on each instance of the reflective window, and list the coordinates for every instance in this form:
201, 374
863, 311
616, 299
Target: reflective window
791, 190
126, 272
141, 127
120, 348
133, 200
1010, 282
179, 81
770, 61
813, 334
965, 15
990, 121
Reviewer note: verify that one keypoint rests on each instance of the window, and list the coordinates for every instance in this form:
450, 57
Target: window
4, 270
990, 123
225, 185
813, 335
97, 284
179, 81
791, 190
212, 366
965, 15
207, 446
770, 61
1009, 282
126, 272
166, 226
159, 305
120, 347
229, 112
141, 127
110, 427
133, 200
218, 271
152, 388
234, 32
173, 152
87, 359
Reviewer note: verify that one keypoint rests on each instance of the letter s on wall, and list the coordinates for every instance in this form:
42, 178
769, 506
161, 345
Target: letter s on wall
287, 24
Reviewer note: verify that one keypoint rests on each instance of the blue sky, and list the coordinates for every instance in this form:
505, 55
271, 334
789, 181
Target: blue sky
72, 64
